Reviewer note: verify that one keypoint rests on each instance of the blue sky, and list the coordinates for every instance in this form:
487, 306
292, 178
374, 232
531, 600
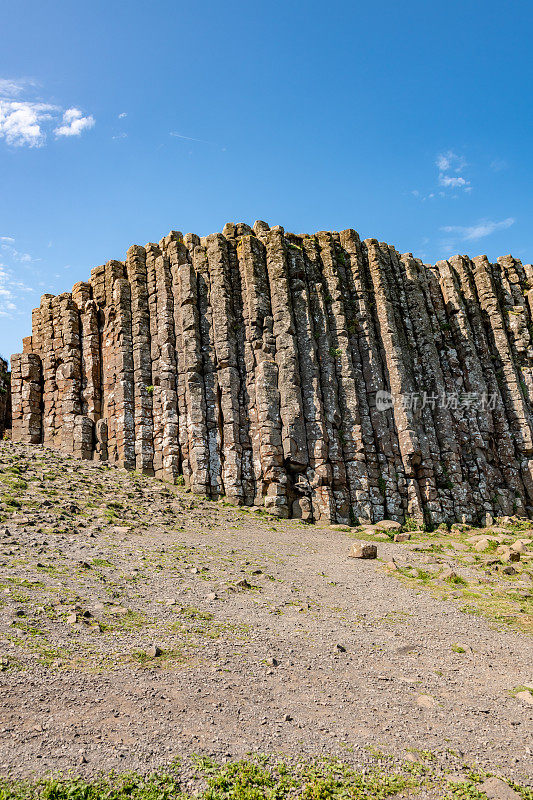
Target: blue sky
119, 121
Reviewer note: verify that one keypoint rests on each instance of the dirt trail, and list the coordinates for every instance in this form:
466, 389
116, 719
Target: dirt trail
271, 638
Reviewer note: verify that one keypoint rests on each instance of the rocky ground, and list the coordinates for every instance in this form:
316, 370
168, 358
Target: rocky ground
139, 623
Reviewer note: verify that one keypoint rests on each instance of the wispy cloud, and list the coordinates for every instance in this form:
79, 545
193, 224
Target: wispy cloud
498, 164
74, 123
450, 162
21, 258
450, 165
122, 115
10, 291
481, 229
450, 182
25, 121
193, 139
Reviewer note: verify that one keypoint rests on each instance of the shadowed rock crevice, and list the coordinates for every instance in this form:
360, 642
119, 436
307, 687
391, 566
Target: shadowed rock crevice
317, 376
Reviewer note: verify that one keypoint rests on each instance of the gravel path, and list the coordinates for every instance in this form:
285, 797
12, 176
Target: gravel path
271, 638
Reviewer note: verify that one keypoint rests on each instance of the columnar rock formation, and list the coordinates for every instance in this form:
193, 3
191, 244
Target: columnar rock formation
260, 365
5, 397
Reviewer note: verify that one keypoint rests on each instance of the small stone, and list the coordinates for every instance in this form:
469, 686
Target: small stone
509, 570
388, 525
72, 619
154, 651
287, 718
518, 547
426, 701
448, 574
507, 554
402, 537
481, 545
211, 596
392, 566
496, 789
341, 648
345, 528
363, 550
243, 584
525, 697
272, 662
82, 759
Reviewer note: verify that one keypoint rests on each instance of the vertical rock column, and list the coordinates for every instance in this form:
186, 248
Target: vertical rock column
48, 370
68, 375
385, 469
352, 453
209, 371
261, 369
167, 454
186, 298
293, 432
26, 388
227, 371
400, 381
142, 361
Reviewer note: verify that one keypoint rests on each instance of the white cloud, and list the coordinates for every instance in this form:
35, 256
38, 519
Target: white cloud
481, 229
450, 162
74, 123
12, 88
452, 181
21, 122
25, 121
8, 239
123, 115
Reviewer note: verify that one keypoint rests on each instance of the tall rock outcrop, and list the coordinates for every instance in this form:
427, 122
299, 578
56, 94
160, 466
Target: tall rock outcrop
317, 376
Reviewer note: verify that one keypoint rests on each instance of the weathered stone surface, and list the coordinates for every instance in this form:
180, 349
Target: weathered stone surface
317, 376
5, 397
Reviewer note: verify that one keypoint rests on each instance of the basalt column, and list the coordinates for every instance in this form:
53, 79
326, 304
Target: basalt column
316, 376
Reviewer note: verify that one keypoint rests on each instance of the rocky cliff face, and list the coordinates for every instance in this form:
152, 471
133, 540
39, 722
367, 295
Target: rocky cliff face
317, 376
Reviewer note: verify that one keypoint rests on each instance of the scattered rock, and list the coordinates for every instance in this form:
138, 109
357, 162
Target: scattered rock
426, 701
496, 789
448, 574
363, 550
402, 537
154, 651
525, 697
388, 525
507, 554
341, 648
